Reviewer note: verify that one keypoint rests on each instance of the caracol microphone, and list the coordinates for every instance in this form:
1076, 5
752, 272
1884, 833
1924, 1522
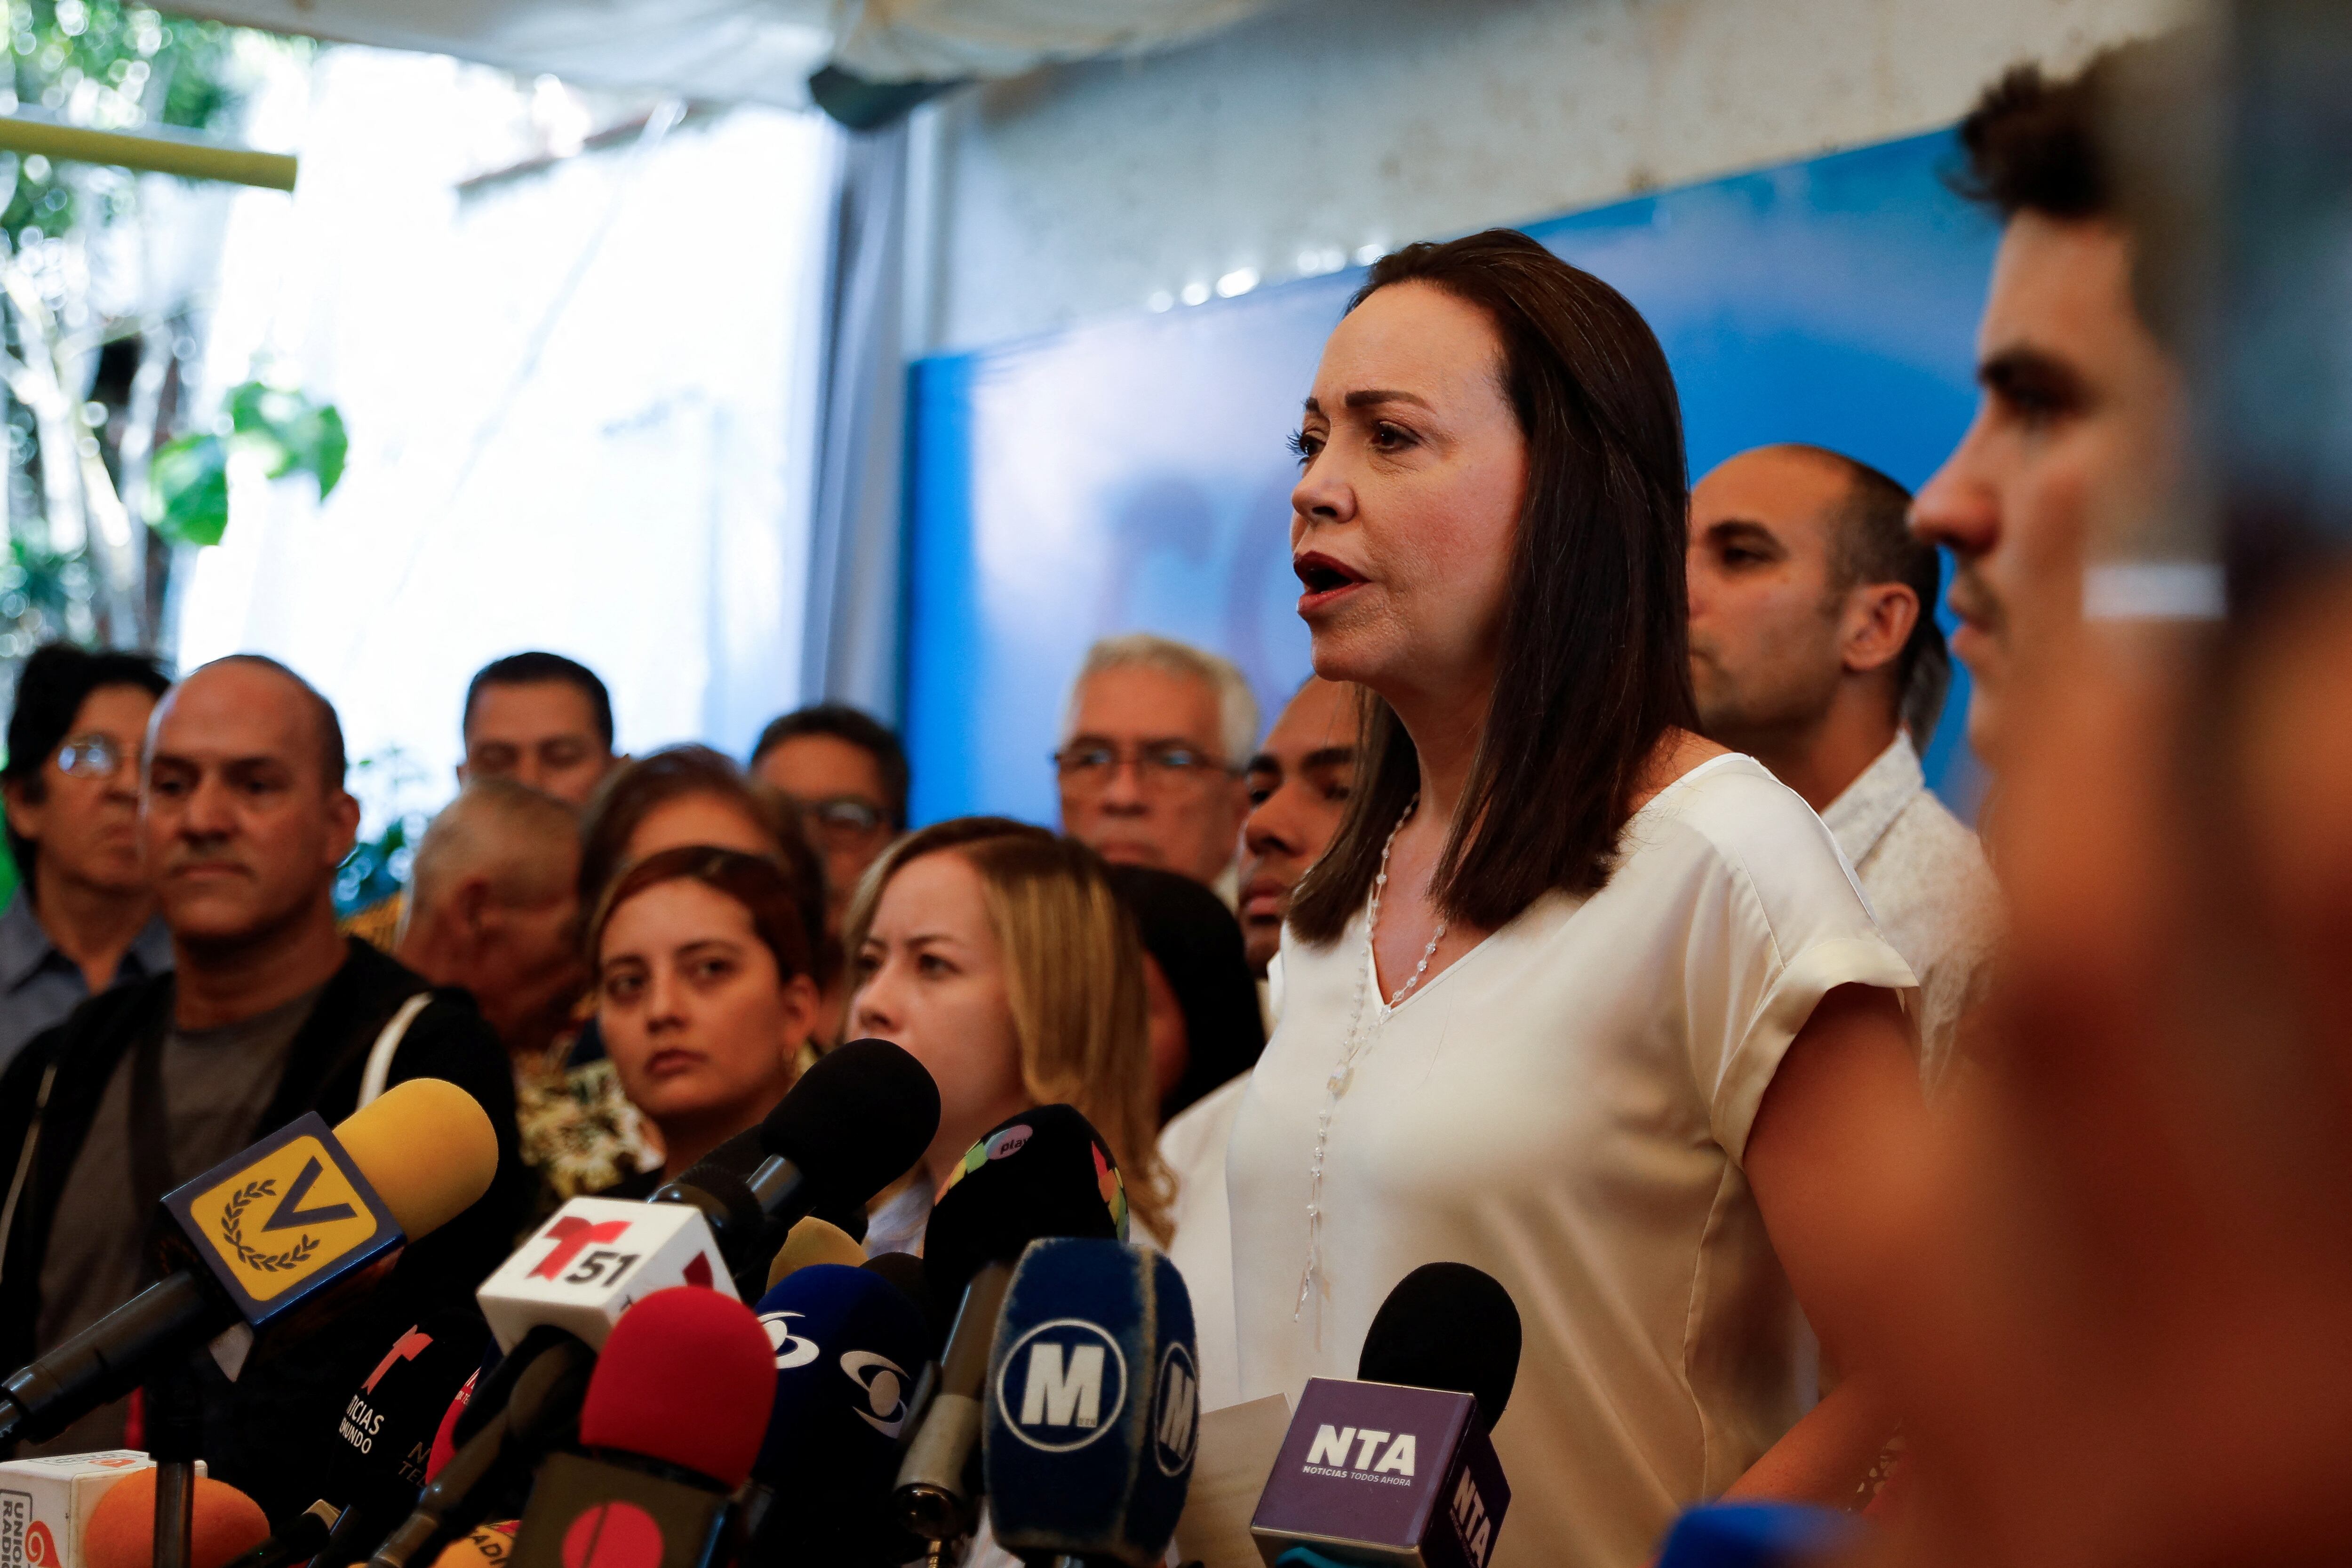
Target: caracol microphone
1045, 1171
1396, 1468
266, 1246
675, 1415
848, 1346
1093, 1407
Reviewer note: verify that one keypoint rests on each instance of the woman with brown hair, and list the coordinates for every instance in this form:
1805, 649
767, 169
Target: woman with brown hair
1574, 996
703, 994
1000, 956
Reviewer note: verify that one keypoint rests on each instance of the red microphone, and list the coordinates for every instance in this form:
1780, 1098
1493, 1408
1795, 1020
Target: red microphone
674, 1417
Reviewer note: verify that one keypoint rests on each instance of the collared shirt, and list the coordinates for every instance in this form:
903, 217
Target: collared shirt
1929, 886
39, 985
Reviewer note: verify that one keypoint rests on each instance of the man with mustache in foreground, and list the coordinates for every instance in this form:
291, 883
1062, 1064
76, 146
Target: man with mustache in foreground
267, 1014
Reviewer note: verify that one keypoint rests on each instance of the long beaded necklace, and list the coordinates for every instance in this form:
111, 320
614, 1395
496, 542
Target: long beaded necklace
1358, 1040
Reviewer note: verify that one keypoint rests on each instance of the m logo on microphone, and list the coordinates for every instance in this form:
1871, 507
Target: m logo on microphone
1176, 1423
1063, 1384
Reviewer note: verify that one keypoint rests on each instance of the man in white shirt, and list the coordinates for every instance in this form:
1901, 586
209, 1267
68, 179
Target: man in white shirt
1814, 649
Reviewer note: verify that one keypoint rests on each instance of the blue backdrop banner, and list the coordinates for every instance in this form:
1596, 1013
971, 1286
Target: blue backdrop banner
1132, 474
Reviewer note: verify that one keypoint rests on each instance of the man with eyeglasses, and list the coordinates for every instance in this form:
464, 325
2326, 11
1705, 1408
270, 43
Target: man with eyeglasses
1151, 763
83, 918
845, 774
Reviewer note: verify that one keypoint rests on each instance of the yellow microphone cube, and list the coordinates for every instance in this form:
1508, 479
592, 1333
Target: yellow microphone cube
281, 1227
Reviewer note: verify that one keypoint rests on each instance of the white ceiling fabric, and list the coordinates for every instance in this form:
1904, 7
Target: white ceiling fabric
758, 51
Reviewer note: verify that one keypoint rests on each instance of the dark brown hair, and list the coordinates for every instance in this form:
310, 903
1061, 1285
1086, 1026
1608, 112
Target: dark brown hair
1595, 663
760, 886
630, 794
1871, 541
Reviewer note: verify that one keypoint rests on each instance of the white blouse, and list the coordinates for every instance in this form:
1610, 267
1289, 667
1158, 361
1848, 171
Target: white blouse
1565, 1107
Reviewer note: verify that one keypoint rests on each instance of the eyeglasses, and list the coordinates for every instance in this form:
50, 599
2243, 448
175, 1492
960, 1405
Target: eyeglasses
839, 819
1087, 767
91, 756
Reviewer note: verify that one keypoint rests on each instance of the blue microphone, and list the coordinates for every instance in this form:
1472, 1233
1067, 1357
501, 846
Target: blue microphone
1759, 1535
848, 1345
1093, 1405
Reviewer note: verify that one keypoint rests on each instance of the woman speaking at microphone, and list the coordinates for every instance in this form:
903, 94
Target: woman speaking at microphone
1575, 996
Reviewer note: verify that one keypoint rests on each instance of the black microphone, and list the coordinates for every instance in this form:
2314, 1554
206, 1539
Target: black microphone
1396, 1466
1045, 1171
674, 1417
856, 1120
537, 1392
266, 1245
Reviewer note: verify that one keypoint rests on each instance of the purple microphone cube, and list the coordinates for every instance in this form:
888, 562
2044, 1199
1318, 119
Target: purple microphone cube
1374, 1473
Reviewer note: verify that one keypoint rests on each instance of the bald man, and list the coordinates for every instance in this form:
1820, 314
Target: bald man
1814, 649
494, 909
267, 1014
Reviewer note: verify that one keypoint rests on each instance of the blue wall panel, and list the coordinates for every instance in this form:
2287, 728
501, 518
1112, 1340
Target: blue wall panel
1132, 474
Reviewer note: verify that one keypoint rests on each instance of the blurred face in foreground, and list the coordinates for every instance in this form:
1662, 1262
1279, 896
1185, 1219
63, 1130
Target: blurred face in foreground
931, 979
242, 827
701, 1027
2073, 447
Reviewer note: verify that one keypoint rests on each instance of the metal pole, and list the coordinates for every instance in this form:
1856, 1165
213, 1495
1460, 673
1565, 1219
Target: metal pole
154, 150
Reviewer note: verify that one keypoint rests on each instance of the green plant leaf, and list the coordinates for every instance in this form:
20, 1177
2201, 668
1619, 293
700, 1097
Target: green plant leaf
191, 478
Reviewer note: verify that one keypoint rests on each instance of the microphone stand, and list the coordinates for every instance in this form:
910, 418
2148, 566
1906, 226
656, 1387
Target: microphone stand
175, 1424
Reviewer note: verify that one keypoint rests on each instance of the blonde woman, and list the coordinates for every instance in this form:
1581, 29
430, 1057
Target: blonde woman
998, 955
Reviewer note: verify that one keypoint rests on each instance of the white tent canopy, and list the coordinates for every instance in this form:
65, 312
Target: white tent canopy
759, 51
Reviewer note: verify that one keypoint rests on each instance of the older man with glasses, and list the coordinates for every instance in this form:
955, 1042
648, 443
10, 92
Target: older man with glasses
83, 918
1151, 763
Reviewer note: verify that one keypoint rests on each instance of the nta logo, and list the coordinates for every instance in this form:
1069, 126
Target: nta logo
1176, 1423
1395, 1451
1063, 1384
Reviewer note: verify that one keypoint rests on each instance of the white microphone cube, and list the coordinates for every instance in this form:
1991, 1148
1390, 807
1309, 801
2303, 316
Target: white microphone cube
592, 1261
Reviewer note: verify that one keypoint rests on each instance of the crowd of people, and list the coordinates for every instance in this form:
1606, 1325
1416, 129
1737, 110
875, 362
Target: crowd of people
1585, 917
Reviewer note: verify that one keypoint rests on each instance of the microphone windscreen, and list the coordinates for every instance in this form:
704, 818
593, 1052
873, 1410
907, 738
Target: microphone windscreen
685, 1378
227, 1524
858, 1120
1045, 1172
905, 1271
812, 1242
1092, 1412
487, 1546
1449, 1326
429, 1149
848, 1346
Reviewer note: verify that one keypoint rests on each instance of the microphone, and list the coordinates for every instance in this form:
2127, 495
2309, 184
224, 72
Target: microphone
856, 1120
1759, 1535
121, 1530
905, 1271
1094, 1405
1396, 1466
384, 1435
848, 1345
266, 1245
592, 1261
812, 1242
1045, 1172
534, 1397
674, 1414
